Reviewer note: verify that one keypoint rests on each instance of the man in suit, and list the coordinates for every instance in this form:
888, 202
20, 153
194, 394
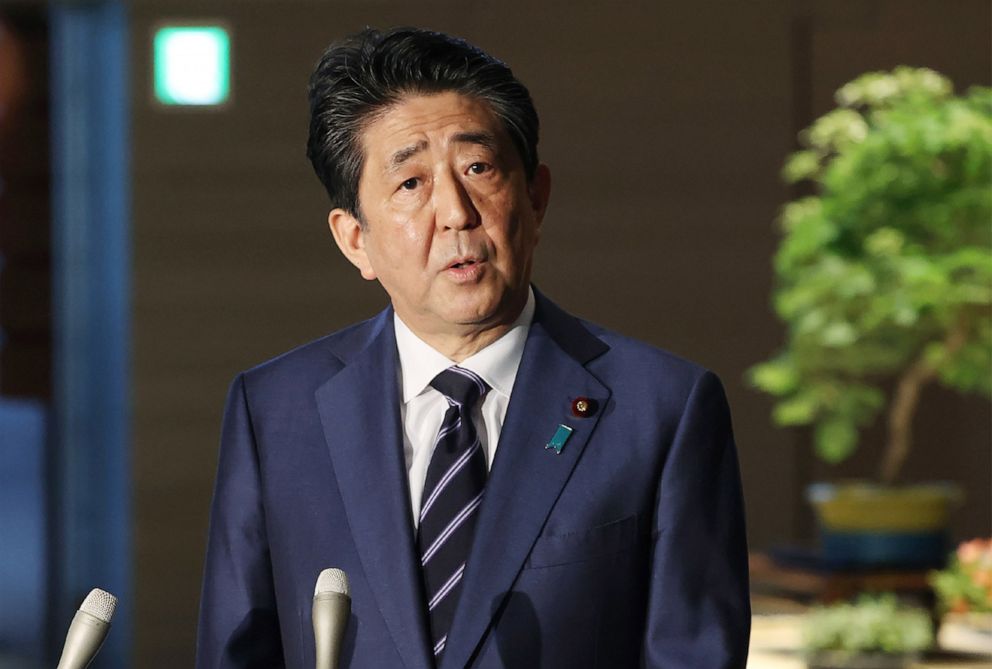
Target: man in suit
503, 483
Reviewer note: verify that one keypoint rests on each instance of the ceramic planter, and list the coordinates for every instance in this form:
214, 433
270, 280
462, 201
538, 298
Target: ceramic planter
870, 525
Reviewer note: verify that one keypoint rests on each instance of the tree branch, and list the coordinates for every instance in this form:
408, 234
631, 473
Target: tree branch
905, 400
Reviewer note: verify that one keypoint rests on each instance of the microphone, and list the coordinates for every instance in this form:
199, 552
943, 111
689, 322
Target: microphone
331, 610
88, 630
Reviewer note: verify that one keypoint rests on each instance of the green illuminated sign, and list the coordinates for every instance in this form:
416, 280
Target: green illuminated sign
192, 65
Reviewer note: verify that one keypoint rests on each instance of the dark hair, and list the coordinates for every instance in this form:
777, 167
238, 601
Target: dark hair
361, 76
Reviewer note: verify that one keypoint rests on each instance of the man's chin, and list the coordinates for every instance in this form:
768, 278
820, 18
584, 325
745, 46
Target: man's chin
484, 311
469, 318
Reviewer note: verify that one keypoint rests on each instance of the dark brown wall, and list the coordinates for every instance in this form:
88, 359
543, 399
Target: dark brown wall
25, 239
665, 127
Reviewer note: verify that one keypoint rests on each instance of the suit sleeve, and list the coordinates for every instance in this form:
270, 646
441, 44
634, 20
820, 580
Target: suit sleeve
238, 622
699, 614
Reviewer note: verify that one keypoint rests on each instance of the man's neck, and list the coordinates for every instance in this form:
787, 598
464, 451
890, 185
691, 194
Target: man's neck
458, 347
457, 344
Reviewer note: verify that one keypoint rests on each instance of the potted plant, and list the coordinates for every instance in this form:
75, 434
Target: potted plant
874, 632
884, 280
964, 597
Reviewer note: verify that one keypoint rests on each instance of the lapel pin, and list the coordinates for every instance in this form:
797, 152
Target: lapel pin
558, 440
583, 407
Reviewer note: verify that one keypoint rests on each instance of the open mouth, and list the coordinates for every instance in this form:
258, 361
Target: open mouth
468, 262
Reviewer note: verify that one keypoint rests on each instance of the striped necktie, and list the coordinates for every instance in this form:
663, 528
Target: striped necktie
456, 477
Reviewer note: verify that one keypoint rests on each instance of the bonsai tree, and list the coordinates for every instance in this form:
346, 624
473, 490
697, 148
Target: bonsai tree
884, 274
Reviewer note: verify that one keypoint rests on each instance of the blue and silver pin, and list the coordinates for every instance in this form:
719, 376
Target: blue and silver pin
558, 440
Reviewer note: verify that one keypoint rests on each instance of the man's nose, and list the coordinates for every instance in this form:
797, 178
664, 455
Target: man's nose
453, 206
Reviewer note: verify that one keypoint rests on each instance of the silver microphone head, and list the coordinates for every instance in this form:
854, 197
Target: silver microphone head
88, 629
100, 604
331, 581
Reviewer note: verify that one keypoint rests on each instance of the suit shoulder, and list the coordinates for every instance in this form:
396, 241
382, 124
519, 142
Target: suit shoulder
317, 359
617, 358
638, 359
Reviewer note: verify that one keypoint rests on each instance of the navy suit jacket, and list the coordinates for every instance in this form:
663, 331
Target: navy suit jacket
626, 549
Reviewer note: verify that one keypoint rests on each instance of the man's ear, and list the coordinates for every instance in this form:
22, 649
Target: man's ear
349, 235
540, 191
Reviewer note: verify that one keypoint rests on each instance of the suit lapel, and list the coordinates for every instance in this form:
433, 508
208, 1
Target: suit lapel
359, 412
526, 478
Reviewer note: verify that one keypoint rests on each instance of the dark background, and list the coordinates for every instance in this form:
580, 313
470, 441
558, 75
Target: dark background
665, 126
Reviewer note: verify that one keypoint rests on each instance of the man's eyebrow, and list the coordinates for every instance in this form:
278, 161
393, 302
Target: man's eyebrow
481, 137
405, 154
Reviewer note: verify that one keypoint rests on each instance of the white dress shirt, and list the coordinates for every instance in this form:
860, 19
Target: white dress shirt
422, 407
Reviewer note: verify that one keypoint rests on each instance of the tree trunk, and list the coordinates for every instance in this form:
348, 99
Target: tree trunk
904, 402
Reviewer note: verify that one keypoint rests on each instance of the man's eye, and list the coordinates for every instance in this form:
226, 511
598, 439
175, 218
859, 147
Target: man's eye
410, 184
478, 168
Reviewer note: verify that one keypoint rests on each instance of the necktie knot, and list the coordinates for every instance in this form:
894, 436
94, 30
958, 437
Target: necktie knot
460, 386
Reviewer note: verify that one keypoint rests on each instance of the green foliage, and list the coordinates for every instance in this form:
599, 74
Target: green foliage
956, 586
874, 623
890, 257
965, 586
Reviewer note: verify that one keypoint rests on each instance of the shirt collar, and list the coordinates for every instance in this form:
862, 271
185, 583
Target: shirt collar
497, 363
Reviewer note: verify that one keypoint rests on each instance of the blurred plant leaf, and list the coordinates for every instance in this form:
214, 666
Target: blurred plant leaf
890, 259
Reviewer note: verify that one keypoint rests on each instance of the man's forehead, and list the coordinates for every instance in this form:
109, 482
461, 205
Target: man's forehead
418, 122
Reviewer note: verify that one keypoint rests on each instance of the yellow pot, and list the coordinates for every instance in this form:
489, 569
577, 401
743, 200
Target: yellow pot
859, 506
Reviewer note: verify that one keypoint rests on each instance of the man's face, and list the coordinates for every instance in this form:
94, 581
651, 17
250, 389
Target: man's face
451, 221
